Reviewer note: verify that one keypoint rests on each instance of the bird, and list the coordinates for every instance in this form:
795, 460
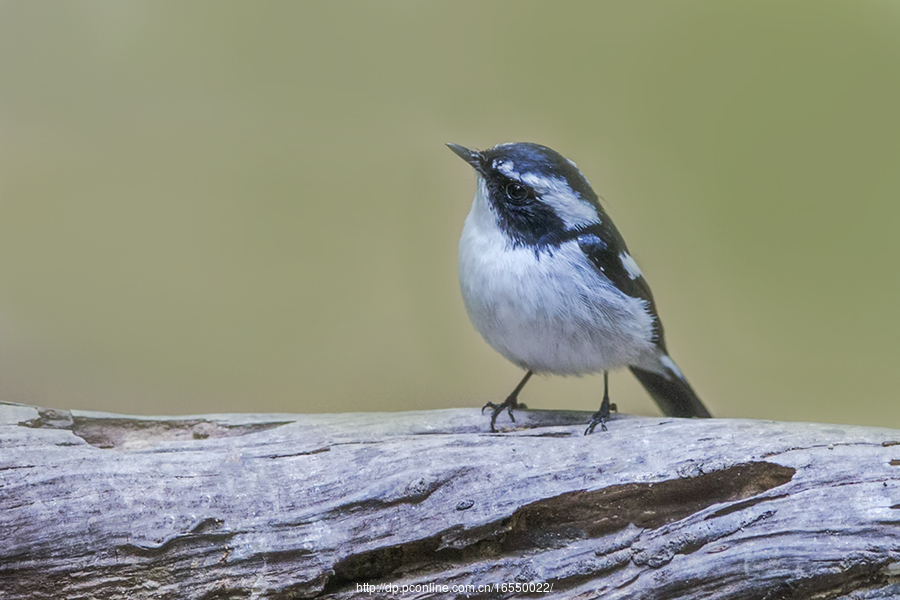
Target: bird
548, 282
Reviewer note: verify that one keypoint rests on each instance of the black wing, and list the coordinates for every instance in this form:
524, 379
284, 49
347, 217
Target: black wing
604, 247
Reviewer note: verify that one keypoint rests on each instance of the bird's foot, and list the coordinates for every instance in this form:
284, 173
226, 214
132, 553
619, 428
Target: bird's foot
508, 405
597, 419
600, 417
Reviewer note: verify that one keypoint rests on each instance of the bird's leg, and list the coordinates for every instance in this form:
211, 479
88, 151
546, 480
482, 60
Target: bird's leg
509, 404
601, 416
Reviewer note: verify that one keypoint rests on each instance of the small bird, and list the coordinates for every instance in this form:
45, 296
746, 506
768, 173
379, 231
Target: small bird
548, 281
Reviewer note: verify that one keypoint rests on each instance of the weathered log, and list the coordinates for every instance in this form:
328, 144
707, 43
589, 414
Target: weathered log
96, 505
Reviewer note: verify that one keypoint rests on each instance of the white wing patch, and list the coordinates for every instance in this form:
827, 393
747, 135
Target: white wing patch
633, 270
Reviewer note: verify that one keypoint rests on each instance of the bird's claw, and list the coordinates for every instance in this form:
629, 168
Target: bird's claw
600, 417
508, 405
595, 420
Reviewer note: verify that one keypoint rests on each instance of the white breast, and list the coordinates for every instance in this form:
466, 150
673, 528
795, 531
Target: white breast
552, 312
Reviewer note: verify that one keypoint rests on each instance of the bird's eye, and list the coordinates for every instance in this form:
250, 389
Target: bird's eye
516, 192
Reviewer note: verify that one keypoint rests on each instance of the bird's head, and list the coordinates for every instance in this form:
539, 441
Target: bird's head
534, 192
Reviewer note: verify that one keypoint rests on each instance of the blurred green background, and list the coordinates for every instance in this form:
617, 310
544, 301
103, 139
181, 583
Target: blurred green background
229, 206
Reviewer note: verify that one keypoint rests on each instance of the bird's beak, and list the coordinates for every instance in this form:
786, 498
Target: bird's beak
473, 157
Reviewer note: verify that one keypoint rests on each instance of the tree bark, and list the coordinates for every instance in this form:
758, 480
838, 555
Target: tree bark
96, 505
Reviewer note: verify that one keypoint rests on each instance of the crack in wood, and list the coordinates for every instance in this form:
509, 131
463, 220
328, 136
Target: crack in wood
292, 454
399, 490
744, 505
561, 520
207, 528
829, 446
124, 433
129, 434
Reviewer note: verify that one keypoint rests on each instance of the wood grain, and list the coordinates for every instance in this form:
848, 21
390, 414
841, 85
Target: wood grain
96, 505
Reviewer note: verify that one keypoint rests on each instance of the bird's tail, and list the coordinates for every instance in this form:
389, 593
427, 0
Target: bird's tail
671, 391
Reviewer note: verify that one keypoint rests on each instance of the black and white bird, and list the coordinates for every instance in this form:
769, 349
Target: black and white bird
548, 281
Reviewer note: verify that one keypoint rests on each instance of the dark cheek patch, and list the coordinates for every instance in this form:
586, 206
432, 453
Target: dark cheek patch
530, 222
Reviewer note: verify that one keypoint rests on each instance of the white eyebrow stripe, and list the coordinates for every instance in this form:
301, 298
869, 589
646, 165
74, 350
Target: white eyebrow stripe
568, 206
541, 183
630, 265
507, 167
